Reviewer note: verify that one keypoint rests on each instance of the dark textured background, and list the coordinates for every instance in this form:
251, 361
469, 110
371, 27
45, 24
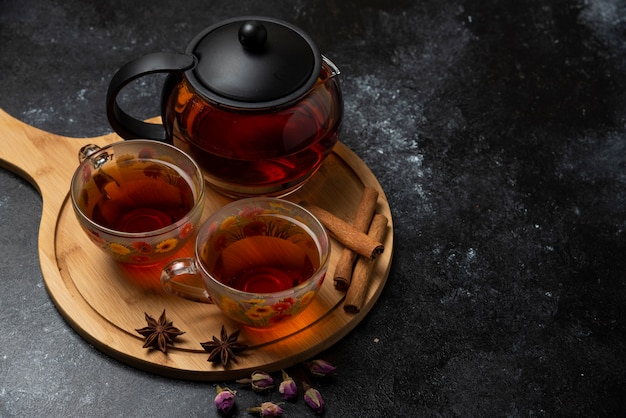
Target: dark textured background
496, 128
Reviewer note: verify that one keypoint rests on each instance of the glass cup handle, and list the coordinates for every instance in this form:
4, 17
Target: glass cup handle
174, 271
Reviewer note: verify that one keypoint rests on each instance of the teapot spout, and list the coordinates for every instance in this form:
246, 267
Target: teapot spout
332, 68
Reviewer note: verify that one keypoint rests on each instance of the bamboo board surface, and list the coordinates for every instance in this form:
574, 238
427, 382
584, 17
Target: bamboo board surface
105, 302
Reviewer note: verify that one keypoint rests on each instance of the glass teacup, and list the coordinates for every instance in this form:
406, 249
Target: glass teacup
139, 201
262, 261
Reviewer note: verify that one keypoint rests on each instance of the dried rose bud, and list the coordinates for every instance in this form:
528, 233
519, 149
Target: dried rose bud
313, 398
320, 368
288, 388
259, 380
224, 400
267, 409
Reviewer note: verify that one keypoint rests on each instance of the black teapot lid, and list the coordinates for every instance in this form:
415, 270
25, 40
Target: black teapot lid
253, 62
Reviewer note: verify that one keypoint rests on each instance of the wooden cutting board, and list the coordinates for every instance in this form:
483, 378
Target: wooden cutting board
105, 302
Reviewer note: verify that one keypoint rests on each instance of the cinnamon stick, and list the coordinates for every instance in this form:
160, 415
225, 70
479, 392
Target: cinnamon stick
345, 233
355, 297
362, 219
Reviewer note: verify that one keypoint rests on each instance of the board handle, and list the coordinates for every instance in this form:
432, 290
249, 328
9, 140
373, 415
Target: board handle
45, 160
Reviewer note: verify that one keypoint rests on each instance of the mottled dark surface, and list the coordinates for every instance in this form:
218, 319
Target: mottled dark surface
496, 128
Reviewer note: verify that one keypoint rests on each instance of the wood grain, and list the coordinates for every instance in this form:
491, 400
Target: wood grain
105, 302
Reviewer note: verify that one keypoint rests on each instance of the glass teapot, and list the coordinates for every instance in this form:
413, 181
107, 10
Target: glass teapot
251, 100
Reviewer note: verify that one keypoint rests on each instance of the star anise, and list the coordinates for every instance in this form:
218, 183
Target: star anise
159, 333
224, 348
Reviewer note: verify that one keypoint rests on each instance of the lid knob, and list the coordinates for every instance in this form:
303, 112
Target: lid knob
252, 35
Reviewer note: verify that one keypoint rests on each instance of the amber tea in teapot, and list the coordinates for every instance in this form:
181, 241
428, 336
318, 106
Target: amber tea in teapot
253, 153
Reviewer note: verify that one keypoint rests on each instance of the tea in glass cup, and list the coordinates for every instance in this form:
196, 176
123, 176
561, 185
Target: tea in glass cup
140, 201
262, 261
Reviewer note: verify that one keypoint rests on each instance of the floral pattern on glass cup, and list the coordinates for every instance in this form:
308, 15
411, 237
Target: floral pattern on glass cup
267, 311
262, 261
139, 201
146, 250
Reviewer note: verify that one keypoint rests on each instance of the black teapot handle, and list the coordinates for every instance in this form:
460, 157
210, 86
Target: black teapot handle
125, 125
